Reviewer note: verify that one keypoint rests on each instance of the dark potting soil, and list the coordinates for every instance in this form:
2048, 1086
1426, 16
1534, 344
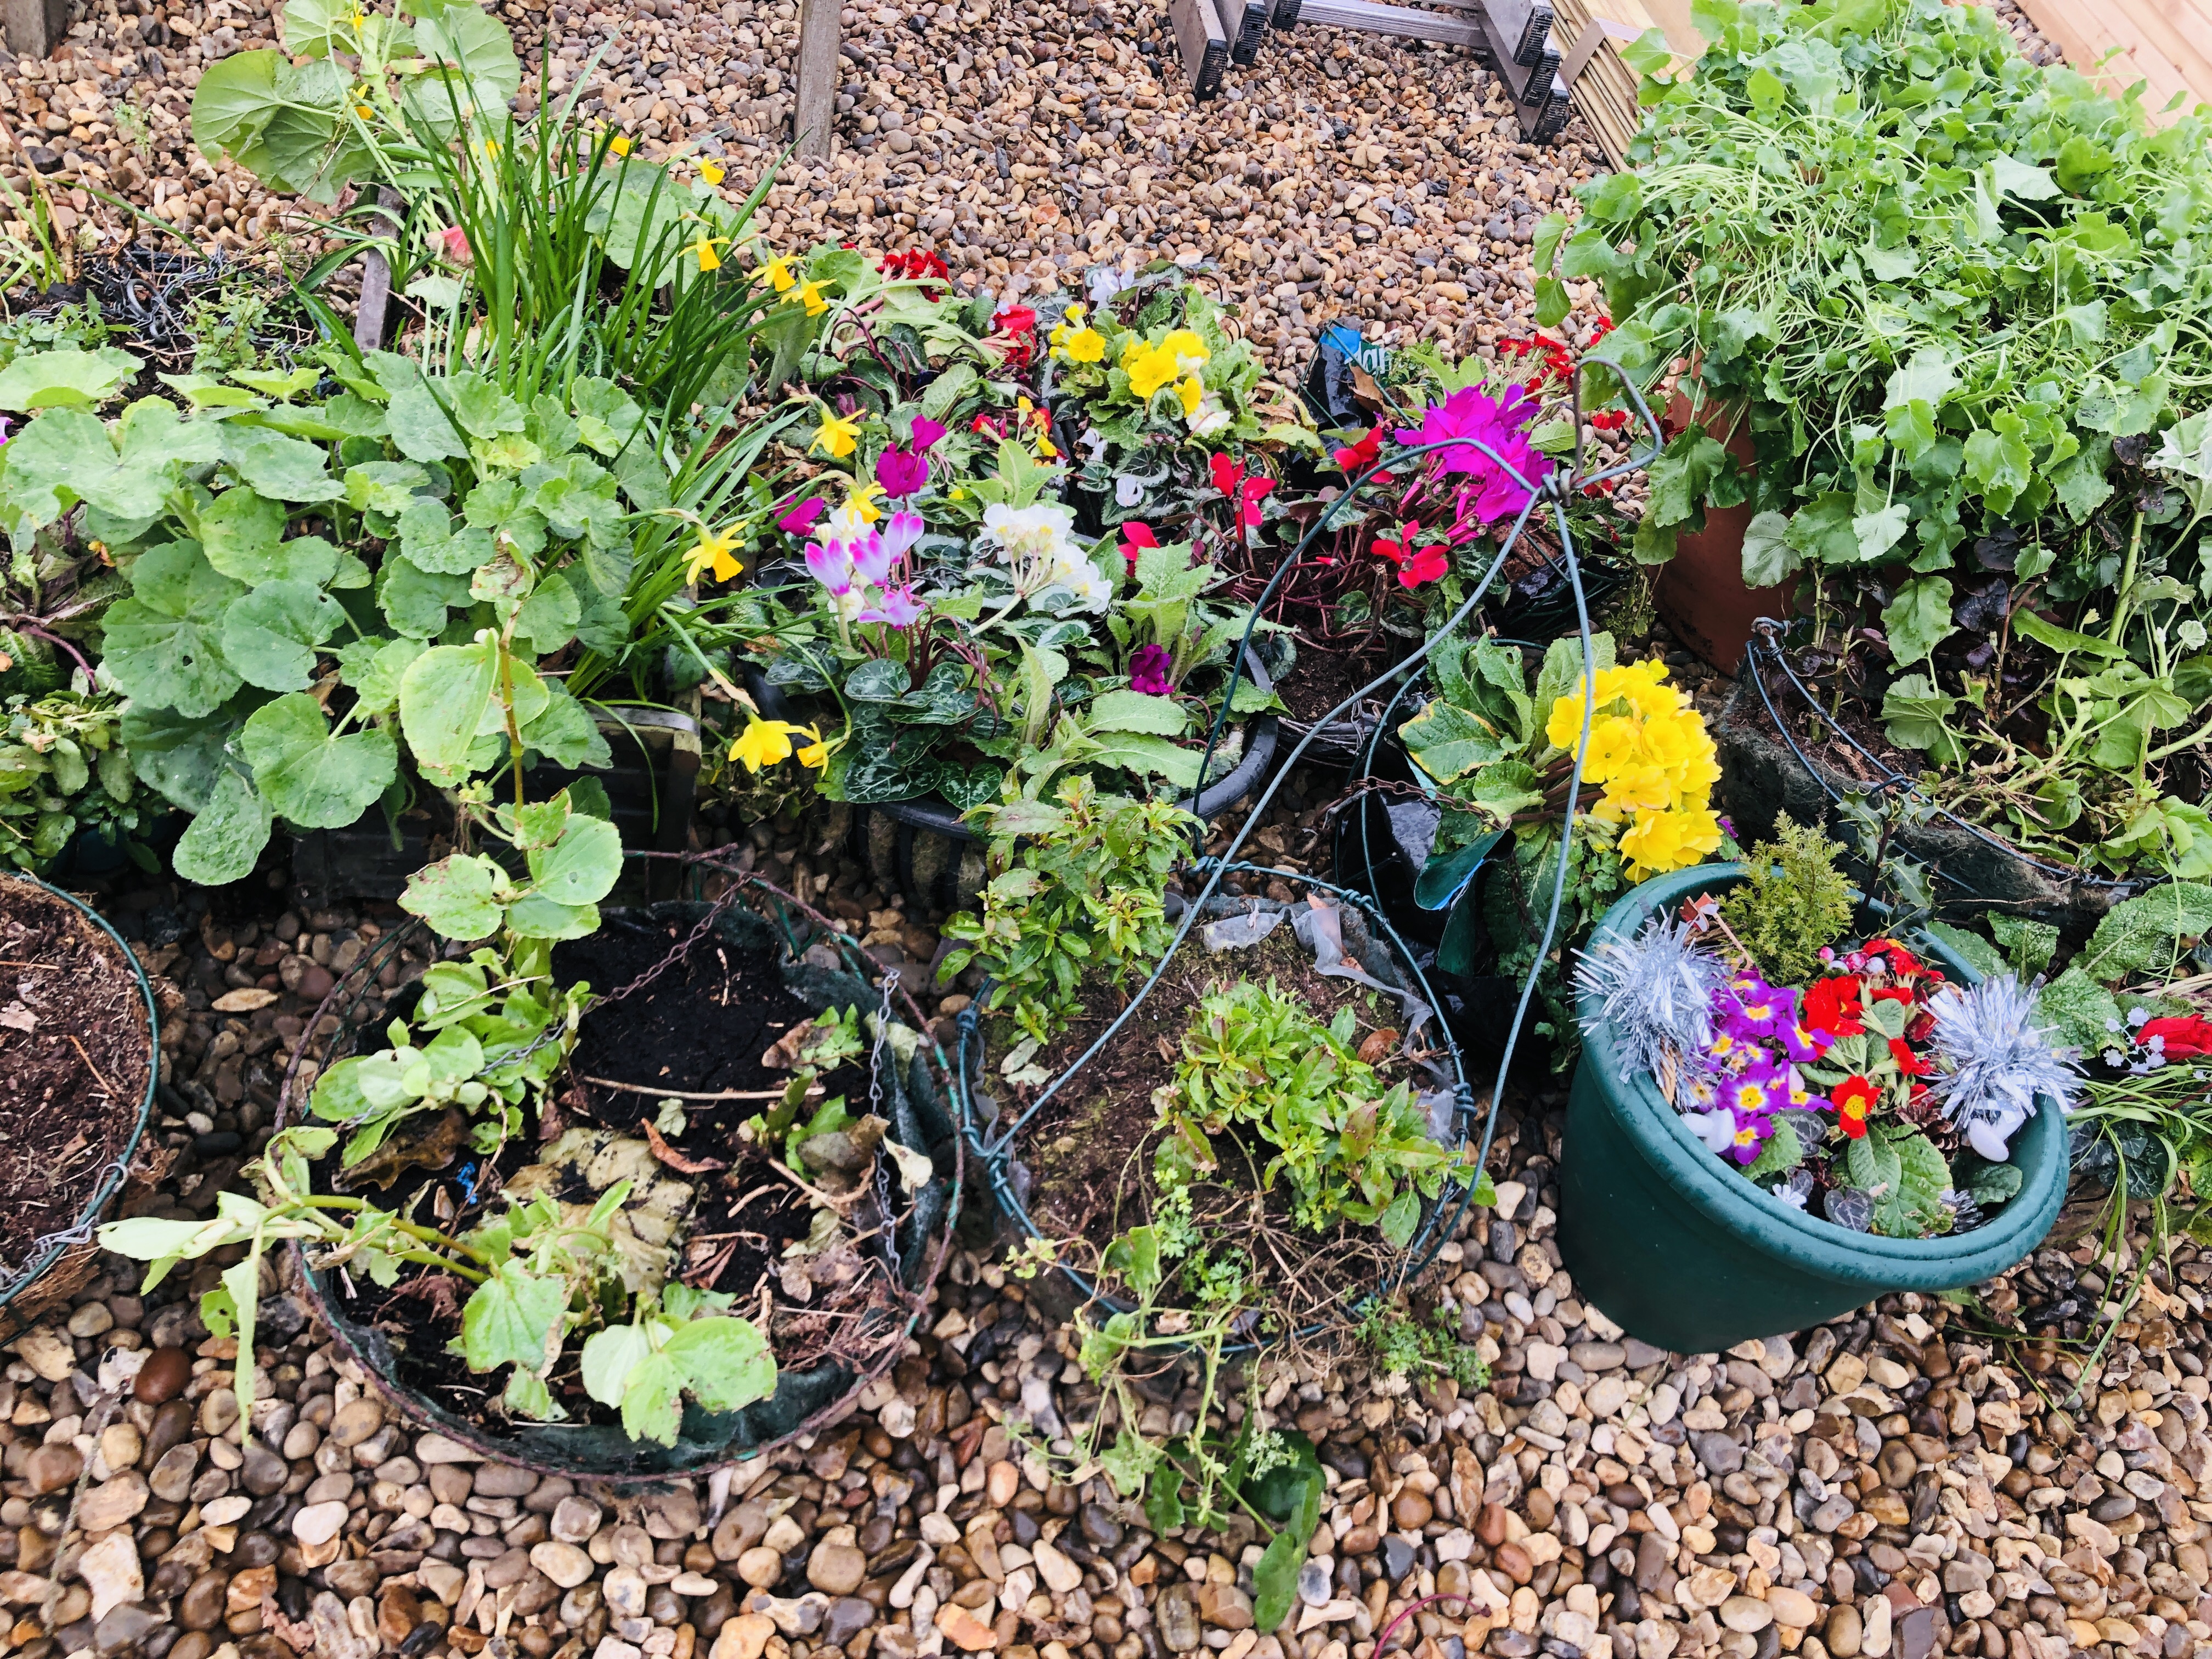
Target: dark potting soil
1090, 1152
74, 1049
701, 1026
1327, 674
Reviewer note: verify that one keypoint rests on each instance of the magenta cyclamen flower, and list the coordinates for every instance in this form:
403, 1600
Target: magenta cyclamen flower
1471, 414
1148, 670
898, 607
830, 564
901, 472
927, 432
801, 518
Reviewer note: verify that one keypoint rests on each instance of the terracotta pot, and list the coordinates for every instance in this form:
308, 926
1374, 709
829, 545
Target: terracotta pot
1700, 591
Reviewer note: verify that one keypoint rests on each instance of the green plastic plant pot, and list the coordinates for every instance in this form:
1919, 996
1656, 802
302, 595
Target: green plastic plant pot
1679, 1249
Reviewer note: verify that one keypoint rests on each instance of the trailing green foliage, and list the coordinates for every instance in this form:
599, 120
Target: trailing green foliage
1352, 1148
1077, 891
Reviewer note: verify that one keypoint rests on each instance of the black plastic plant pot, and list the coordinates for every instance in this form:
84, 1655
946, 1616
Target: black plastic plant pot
805, 1401
652, 786
57, 1264
996, 1134
1766, 769
923, 849
1382, 848
1679, 1249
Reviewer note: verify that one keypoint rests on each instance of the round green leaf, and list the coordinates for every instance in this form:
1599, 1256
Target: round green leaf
222, 844
581, 867
313, 779
271, 635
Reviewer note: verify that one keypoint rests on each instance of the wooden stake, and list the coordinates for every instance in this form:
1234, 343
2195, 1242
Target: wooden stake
812, 122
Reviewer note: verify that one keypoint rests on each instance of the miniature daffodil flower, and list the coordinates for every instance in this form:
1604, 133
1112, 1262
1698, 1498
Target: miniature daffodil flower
809, 295
710, 170
618, 144
778, 272
359, 20
714, 552
836, 435
764, 743
815, 755
704, 248
862, 502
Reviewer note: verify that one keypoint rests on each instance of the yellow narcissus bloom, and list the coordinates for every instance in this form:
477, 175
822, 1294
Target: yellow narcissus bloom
704, 248
815, 755
715, 553
619, 144
778, 272
764, 743
809, 295
836, 435
862, 502
710, 170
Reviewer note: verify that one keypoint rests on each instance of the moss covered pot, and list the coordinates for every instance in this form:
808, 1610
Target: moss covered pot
1678, 1249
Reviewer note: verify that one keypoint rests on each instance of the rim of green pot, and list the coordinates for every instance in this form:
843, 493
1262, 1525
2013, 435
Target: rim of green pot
1737, 1205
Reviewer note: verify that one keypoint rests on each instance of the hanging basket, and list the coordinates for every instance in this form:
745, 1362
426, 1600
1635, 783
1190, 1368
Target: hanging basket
1012, 1164
805, 1401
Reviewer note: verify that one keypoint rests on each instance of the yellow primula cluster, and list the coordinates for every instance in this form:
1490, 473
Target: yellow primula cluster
1074, 341
1180, 355
1651, 753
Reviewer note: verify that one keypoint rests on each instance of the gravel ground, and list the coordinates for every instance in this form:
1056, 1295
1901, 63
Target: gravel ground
1902, 1482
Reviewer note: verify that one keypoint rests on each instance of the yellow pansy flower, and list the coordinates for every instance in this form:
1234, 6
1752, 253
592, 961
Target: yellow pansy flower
809, 295
715, 553
710, 170
836, 435
764, 743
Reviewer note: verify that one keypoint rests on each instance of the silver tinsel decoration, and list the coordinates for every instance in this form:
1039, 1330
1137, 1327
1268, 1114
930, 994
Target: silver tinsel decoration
1658, 990
1993, 1062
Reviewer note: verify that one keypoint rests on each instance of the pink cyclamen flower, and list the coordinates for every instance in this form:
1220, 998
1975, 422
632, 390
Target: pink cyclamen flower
4, 424
898, 607
901, 472
801, 518
872, 560
1148, 671
898, 534
830, 564
927, 432
453, 243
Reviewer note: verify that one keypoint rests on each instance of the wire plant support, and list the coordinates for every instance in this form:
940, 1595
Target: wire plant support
1765, 642
994, 1153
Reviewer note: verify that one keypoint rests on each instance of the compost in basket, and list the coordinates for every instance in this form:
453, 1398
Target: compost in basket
77, 1057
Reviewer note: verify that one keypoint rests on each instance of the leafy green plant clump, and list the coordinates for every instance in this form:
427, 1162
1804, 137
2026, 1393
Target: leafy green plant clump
1936, 283
1078, 892
1791, 902
1353, 1148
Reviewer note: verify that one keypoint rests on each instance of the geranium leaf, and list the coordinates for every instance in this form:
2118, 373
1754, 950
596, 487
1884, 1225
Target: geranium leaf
311, 778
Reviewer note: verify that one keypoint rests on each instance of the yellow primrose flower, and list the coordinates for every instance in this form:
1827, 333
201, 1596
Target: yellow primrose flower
1151, 370
764, 743
710, 170
714, 552
778, 272
1185, 348
1073, 316
1190, 393
364, 112
1080, 345
809, 295
704, 247
836, 435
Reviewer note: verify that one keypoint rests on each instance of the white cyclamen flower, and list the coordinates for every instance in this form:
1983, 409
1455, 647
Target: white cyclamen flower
1030, 535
